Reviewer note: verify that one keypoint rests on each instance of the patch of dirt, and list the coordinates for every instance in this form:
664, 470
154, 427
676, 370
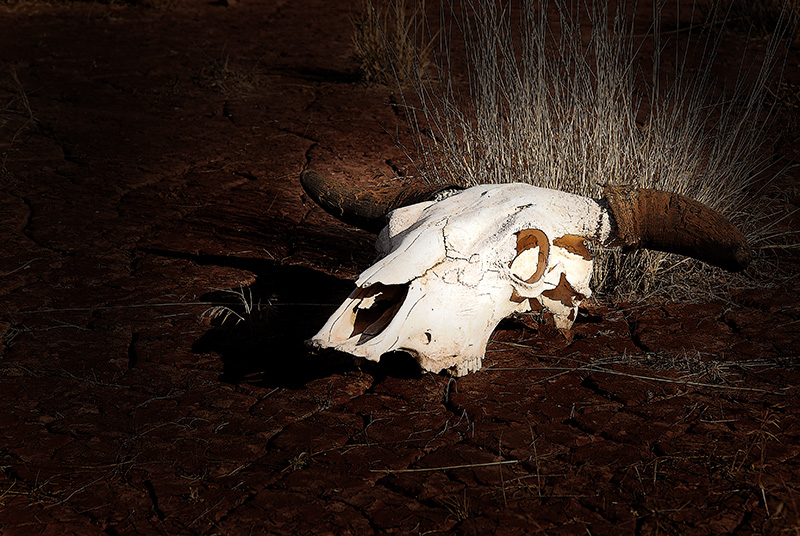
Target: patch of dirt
150, 163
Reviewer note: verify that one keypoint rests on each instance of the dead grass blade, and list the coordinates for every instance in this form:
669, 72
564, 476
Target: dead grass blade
445, 468
603, 367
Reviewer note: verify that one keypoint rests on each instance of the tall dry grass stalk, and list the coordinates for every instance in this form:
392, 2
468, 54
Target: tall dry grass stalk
578, 105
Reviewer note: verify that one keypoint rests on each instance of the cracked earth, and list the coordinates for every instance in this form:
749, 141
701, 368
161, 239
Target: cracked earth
150, 193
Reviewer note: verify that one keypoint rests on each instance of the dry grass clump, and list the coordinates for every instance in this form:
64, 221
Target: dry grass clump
243, 307
586, 103
390, 42
223, 75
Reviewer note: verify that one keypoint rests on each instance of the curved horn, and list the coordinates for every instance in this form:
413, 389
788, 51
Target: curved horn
675, 223
365, 206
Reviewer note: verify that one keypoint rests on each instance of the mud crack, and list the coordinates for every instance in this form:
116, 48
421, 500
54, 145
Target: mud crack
133, 356
28, 232
151, 493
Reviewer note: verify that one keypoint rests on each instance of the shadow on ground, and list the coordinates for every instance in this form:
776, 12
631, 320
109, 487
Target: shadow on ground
259, 330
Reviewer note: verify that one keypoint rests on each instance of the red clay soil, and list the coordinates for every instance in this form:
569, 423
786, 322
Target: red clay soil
151, 158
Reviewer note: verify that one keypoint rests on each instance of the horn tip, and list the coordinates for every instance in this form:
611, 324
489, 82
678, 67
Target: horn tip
311, 181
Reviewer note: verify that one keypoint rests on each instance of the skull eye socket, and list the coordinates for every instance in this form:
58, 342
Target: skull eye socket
376, 307
532, 251
574, 244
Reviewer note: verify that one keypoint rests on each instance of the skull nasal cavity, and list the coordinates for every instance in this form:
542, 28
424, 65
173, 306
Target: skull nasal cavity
375, 308
532, 251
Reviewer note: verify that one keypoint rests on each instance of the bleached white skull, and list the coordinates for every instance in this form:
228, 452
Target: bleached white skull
450, 270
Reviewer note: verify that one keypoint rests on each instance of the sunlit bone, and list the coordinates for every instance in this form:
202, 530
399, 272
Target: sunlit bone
452, 265
451, 270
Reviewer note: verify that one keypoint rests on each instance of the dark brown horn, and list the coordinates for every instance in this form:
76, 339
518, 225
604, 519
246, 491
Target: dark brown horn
365, 207
675, 223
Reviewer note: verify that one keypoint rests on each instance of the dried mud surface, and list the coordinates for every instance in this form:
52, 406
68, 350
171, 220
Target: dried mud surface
150, 162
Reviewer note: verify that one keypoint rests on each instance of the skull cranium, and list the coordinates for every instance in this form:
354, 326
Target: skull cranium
451, 270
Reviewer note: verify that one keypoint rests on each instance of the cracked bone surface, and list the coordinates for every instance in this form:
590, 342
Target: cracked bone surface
449, 271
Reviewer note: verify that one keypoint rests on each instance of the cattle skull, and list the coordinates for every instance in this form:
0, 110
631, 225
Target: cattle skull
452, 264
